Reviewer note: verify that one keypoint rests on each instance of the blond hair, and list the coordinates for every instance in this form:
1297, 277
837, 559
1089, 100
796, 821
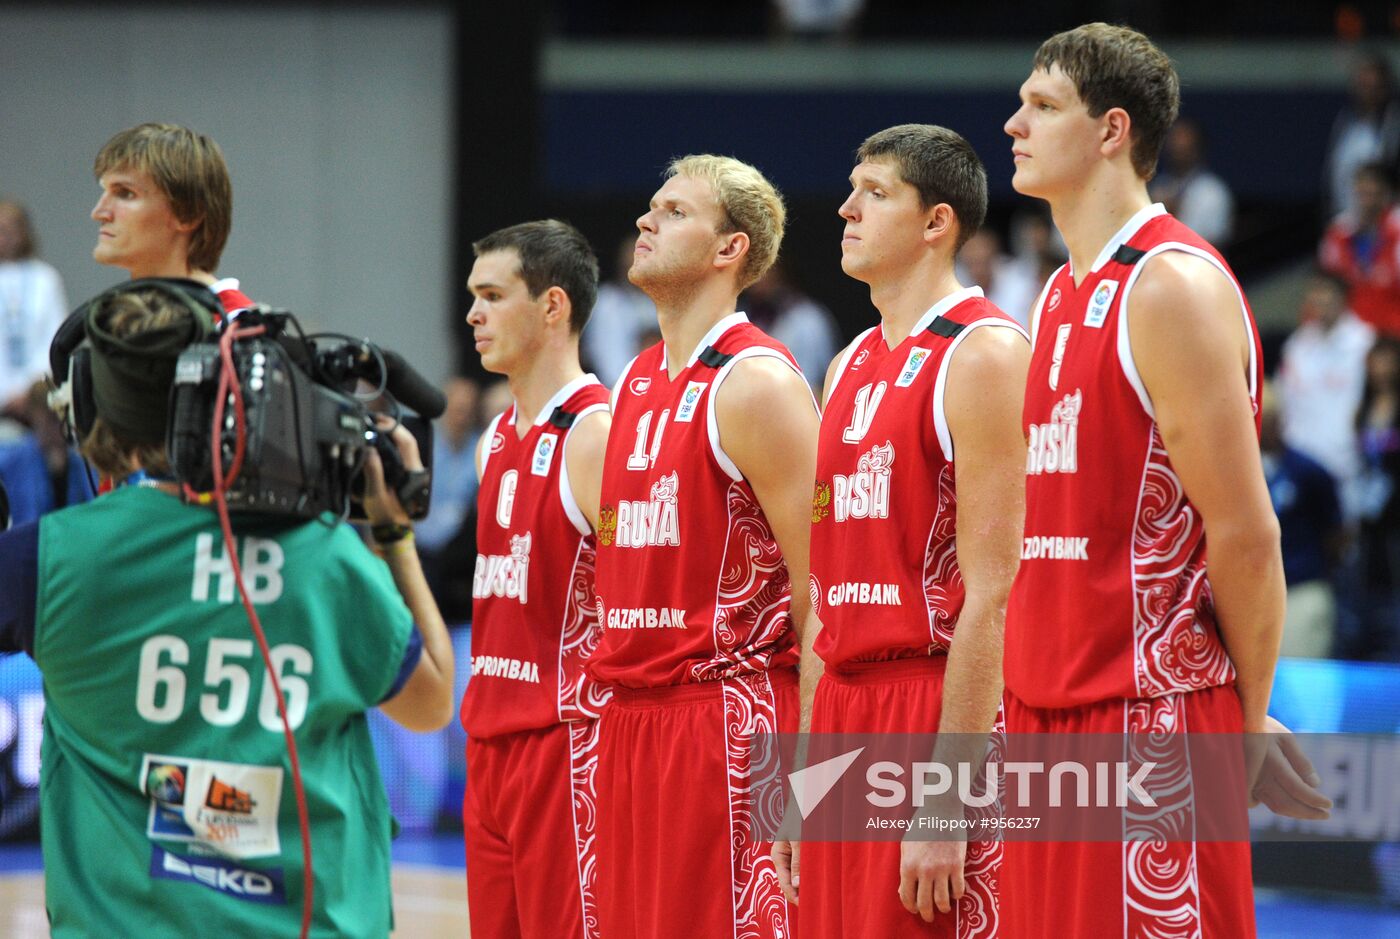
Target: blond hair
189, 168
750, 203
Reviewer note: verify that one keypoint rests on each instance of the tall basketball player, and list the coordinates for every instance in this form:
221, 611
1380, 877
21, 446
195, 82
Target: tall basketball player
919, 488
529, 711
1142, 413
706, 500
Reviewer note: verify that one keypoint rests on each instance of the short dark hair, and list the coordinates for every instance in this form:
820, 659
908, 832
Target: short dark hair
552, 254
1119, 67
28, 244
1376, 171
941, 165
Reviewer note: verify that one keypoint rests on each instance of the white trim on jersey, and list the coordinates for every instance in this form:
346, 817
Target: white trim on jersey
937, 310
845, 359
227, 283
940, 384
712, 423
1129, 229
709, 339
1039, 307
484, 454
562, 395
1125, 348
566, 491
622, 381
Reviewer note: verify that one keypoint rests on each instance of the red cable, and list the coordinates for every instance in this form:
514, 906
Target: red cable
228, 381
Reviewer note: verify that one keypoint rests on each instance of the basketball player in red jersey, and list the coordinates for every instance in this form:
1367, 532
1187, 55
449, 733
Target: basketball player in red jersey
529, 712
707, 488
1141, 413
918, 511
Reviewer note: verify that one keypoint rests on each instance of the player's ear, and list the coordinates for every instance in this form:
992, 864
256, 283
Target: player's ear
940, 223
733, 250
1116, 127
558, 307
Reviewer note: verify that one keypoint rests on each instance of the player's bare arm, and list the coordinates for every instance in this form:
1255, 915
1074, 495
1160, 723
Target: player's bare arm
583, 454
986, 385
787, 854
425, 703
1189, 343
768, 426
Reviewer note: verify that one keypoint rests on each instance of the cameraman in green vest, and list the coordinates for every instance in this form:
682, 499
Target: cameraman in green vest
167, 804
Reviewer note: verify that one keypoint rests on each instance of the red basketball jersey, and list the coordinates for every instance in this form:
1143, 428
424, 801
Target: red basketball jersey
885, 578
1112, 599
534, 619
691, 583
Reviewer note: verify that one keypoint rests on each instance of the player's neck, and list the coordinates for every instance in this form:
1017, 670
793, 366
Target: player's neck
902, 300
685, 319
1094, 215
533, 387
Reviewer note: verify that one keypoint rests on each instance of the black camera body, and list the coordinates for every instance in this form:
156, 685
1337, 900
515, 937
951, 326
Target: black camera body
306, 436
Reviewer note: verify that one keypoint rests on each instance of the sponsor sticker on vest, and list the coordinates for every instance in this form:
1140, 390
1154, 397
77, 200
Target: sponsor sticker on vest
912, 366
689, 400
544, 454
228, 809
241, 883
1099, 303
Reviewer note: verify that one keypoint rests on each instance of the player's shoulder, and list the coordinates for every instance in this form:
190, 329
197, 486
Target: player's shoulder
1182, 284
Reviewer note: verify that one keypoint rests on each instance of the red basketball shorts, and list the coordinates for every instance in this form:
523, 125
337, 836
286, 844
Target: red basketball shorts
530, 815
1135, 888
677, 853
851, 888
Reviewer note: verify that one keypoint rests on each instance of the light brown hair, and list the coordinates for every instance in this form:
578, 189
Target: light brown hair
189, 168
1119, 67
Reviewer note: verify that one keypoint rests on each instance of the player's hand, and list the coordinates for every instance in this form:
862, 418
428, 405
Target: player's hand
931, 875
381, 505
787, 855
1281, 775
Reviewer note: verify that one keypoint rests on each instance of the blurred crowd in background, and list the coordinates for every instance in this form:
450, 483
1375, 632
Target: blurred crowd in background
1331, 421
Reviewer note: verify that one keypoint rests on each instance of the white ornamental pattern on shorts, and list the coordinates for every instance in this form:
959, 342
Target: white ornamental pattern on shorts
750, 714
1163, 898
580, 697
1174, 648
583, 767
751, 613
943, 584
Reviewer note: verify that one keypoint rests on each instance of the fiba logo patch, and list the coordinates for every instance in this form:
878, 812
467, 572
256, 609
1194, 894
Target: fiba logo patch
1099, 303
912, 366
640, 385
544, 454
689, 400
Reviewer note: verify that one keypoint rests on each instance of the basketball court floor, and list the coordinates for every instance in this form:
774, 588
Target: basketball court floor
430, 899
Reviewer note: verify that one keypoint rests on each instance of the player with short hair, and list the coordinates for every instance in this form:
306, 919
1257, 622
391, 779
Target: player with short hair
529, 711
166, 207
1142, 419
918, 505
705, 524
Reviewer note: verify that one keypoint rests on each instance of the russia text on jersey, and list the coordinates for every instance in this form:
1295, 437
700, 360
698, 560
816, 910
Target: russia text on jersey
1054, 447
636, 524
506, 575
1055, 548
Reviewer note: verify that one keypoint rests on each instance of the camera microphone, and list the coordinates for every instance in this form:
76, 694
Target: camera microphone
412, 389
